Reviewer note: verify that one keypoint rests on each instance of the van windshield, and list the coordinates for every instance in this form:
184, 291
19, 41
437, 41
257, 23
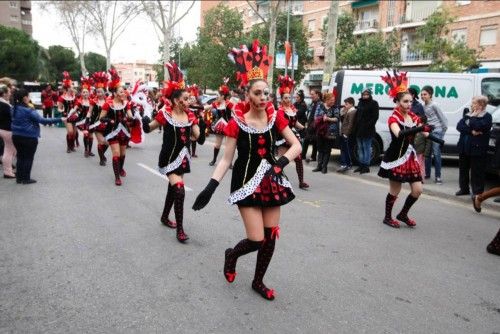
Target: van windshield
490, 87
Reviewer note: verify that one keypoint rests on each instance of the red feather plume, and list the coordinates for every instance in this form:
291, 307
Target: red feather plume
286, 84
86, 82
67, 82
114, 82
100, 79
398, 82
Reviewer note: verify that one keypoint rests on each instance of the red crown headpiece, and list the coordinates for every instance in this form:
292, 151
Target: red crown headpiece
398, 83
286, 84
251, 63
176, 81
100, 79
193, 90
224, 88
67, 82
86, 82
114, 82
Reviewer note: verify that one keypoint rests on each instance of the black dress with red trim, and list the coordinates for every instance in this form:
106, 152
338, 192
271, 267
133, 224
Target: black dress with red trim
81, 115
174, 155
400, 161
68, 104
224, 115
249, 185
117, 128
292, 122
95, 125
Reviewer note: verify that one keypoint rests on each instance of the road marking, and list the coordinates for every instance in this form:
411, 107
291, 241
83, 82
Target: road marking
315, 204
155, 172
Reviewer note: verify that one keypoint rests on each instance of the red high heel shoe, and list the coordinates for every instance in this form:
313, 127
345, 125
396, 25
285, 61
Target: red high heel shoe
168, 223
262, 290
229, 273
407, 220
391, 222
182, 237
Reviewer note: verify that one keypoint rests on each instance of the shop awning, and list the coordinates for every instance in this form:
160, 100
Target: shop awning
363, 3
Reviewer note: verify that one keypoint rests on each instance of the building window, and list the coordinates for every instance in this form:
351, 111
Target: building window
310, 52
311, 25
14, 18
459, 35
488, 36
390, 13
13, 4
26, 22
462, 2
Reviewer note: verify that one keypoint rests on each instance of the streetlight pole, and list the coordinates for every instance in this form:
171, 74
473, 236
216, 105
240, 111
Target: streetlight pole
287, 33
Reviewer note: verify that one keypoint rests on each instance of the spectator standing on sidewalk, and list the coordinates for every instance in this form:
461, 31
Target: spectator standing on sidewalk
310, 133
474, 130
301, 107
347, 117
327, 128
25, 132
437, 120
6, 132
366, 117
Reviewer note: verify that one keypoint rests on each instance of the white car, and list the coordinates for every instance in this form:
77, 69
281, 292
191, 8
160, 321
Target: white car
36, 99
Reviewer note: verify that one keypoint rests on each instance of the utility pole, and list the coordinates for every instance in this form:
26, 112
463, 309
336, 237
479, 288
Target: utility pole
331, 41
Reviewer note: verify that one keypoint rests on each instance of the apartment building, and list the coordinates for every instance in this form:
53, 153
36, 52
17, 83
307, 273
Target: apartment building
138, 70
16, 14
477, 23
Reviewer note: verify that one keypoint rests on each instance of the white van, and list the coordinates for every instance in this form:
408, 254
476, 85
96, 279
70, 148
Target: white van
452, 92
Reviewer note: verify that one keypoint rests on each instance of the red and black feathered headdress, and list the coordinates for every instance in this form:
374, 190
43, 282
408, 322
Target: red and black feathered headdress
100, 79
398, 83
193, 90
251, 63
67, 82
224, 88
86, 82
176, 81
114, 82
286, 84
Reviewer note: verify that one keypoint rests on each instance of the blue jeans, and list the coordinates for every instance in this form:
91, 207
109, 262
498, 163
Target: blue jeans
364, 151
345, 152
436, 152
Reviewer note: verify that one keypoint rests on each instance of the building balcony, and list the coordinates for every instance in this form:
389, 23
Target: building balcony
415, 58
366, 24
418, 11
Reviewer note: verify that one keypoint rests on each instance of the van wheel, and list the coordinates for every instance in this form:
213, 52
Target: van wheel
376, 152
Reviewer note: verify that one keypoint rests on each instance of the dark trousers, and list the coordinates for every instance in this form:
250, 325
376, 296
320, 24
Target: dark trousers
475, 166
26, 148
345, 152
305, 147
47, 112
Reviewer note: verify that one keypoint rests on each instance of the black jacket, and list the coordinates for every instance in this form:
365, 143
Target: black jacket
5, 116
301, 112
366, 118
474, 145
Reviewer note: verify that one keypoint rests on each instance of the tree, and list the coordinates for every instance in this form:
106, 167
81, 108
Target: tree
108, 20
372, 51
95, 62
274, 10
331, 38
447, 55
74, 19
298, 35
62, 59
19, 54
206, 61
163, 14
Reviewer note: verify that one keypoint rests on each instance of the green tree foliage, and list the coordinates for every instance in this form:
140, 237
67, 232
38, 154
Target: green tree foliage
206, 62
94, 62
19, 55
298, 35
62, 59
447, 55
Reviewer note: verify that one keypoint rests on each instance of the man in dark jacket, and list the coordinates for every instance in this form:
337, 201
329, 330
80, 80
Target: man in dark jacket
366, 118
310, 133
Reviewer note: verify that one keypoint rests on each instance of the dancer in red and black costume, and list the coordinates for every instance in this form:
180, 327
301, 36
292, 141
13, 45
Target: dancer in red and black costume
197, 109
288, 109
97, 127
400, 163
223, 114
258, 185
118, 117
66, 103
179, 127
82, 109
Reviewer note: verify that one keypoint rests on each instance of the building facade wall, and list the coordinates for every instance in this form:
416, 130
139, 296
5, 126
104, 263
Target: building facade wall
131, 72
16, 14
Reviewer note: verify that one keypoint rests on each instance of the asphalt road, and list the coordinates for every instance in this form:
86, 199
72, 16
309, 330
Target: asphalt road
79, 254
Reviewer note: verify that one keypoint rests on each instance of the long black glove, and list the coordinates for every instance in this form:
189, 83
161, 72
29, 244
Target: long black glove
436, 139
276, 171
203, 127
205, 195
414, 130
145, 124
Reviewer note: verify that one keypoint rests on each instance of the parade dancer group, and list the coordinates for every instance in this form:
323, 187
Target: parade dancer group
265, 140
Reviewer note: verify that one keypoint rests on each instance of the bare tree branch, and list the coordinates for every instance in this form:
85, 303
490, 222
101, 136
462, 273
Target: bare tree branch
256, 11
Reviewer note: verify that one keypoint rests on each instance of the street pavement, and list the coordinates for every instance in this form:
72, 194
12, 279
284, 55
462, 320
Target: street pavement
80, 255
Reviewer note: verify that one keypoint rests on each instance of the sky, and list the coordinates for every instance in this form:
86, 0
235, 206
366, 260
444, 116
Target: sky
138, 42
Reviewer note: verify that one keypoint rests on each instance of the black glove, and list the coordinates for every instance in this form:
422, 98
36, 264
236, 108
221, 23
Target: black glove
145, 124
414, 130
203, 127
205, 195
276, 171
436, 140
